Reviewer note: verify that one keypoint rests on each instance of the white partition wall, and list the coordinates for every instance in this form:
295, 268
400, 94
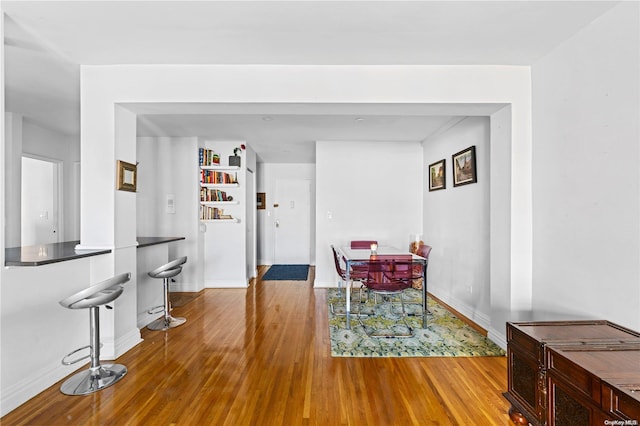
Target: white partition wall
365, 190
107, 86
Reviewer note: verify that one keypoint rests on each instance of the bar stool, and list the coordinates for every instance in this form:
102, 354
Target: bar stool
98, 376
166, 272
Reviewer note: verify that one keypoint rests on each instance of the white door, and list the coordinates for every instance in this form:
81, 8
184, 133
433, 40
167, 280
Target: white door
39, 218
292, 221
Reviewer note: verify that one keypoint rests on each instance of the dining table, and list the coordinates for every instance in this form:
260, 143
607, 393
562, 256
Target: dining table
358, 257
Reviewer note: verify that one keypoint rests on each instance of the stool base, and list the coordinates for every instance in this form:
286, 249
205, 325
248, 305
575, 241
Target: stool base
166, 323
93, 379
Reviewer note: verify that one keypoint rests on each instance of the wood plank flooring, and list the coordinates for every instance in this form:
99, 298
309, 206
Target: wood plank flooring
261, 357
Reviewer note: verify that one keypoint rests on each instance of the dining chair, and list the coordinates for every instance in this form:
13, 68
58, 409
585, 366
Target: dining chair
362, 244
389, 276
356, 274
422, 251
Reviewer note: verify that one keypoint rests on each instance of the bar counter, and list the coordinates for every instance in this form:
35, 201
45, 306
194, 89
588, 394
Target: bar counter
44, 254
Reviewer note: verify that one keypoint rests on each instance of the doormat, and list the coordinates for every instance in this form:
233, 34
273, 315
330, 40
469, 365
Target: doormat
286, 273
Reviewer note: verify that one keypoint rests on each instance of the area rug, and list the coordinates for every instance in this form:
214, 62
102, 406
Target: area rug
445, 335
286, 273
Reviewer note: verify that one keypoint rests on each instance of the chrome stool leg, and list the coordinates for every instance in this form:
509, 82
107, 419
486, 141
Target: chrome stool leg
98, 376
167, 321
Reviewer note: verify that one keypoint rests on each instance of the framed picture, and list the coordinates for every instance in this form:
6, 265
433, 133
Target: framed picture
261, 200
437, 176
127, 176
464, 166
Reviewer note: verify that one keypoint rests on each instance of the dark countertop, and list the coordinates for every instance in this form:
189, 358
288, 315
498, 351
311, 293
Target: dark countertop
44, 254
149, 241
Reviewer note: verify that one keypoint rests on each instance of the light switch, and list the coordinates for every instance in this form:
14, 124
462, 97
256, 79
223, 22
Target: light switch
171, 204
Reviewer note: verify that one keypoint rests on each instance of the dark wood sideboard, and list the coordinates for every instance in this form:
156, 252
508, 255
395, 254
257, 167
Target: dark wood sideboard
554, 367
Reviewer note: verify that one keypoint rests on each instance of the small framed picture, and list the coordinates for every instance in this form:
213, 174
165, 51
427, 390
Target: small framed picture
127, 176
464, 166
261, 201
437, 176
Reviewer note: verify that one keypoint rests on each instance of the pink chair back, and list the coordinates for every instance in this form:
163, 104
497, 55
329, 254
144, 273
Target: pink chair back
424, 251
362, 244
390, 273
336, 260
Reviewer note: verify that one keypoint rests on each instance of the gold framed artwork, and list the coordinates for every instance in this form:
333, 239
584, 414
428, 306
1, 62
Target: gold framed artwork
464, 166
437, 176
126, 179
261, 200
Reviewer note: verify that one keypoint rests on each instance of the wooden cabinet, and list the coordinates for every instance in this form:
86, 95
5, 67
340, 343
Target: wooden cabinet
527, 346
593, 386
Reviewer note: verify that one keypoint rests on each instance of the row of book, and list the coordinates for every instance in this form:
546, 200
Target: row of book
212, 194
214, 176
213, 213
208, 157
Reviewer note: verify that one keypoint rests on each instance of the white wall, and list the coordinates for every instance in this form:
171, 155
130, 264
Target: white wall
170, 166
586, 176
492, 86
268, 174
50, 144
456, 223
36, 331
23, 136
365, 190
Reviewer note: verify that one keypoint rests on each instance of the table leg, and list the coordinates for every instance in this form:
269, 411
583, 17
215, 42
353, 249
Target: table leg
424, 295
347, 285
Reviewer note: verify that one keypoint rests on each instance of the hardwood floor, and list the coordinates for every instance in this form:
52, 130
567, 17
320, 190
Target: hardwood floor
261, 357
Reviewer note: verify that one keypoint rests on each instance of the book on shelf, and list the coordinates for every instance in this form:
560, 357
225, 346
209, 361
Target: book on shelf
215, 176
208, 157
212, 194
213, 213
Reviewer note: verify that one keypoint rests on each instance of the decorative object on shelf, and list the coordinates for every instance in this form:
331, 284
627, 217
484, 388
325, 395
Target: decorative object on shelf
261, 200
126, 176
437, 176
464, 166
234, 160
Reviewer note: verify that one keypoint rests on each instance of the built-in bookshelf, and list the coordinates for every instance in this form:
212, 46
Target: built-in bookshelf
216, 187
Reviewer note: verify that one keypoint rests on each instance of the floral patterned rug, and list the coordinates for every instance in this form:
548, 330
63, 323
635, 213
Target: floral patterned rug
445, 335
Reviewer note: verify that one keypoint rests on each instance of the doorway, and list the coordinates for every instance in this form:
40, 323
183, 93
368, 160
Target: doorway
292, 221
39, 201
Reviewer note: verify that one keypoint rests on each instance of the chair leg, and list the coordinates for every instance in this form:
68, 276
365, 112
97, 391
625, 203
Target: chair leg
379, 333
167, 321
98, 376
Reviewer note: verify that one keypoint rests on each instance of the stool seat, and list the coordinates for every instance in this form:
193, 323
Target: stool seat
98, 294
98, 376
165, 272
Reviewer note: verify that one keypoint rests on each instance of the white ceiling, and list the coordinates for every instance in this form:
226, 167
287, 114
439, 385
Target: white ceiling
272, 32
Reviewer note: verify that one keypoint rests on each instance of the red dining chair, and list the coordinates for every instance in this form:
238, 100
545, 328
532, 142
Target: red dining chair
418, 280
389, 275
358, 274
362, 244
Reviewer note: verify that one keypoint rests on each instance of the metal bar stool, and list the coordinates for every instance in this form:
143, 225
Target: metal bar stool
166, 272
98, 376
